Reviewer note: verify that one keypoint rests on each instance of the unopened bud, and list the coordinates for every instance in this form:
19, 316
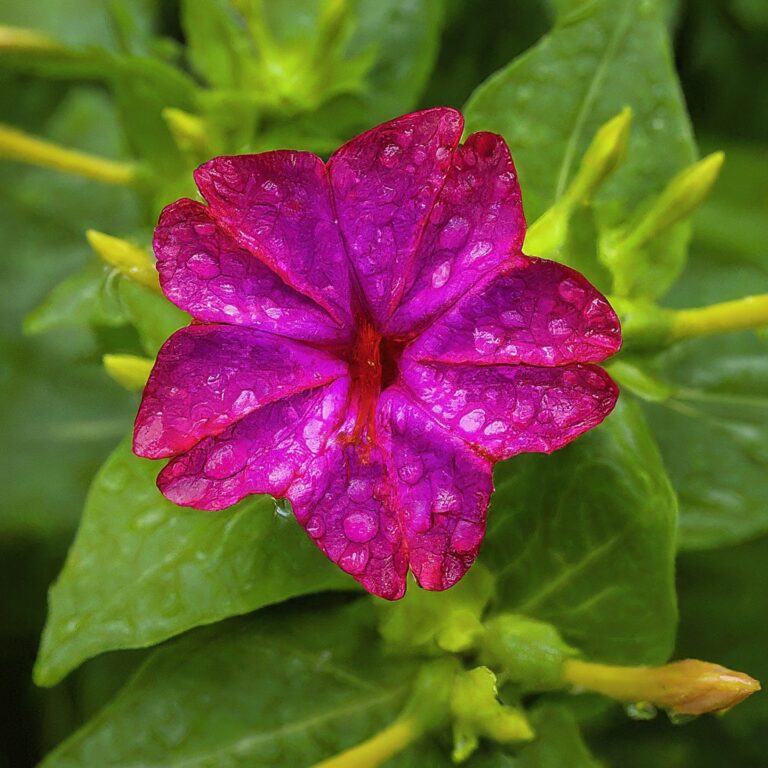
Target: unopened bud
679, 200
603, 156
689, 687
127, 258
130, 371
188, 131
548, 233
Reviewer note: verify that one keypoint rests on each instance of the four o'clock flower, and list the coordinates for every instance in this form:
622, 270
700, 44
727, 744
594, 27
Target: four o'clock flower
368, 341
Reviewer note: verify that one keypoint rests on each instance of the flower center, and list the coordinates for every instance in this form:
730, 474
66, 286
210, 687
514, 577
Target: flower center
373, 367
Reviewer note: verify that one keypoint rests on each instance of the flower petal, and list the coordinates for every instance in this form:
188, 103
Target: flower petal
504, 410
278, 206
205, 272
442, 487
207, 377
476, 225
536, 311
385, 183
344, 502
264, 452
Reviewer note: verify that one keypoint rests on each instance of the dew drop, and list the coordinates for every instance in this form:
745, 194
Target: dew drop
677, 718
640, 710
283, 508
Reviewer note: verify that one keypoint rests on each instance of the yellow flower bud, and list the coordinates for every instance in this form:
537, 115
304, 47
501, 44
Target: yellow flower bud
127, 258
689, 687
548, 233
130, 371
189, 131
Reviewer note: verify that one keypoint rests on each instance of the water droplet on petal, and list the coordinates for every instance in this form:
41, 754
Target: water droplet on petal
354, 559
359, 527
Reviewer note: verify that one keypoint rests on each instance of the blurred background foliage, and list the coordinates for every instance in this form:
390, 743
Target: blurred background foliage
61, 414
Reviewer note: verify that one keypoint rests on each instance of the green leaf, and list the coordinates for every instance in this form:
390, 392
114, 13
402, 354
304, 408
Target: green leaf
153, 315
585, 540
549, 102
406, 36
713, 432
218, 44
274, 690
87, 297
142, 569
558, 742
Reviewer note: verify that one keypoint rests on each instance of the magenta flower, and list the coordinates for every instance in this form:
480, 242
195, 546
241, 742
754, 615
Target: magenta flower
368, 341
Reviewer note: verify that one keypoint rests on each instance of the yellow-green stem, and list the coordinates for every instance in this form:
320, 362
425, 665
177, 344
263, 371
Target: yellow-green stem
16, 39
17, 145
737, 315
378, 748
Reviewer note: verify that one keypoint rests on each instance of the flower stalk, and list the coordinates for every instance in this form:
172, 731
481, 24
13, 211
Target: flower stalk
688, 687
379, 748
20, 146
737, 315
649, 327
18, 40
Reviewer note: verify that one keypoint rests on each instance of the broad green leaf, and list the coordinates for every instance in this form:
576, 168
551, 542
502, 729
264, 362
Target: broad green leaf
283, 688
548, 104
585, 540
142, 569
713, 432
558, 742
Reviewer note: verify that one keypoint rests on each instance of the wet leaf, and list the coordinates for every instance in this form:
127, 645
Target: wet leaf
200, 700
548, 103
142, 569
585, 540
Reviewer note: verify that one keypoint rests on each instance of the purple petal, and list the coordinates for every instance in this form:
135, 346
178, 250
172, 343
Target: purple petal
205, 272
207, 377
344, 502
442, 487
278, 206
475, 226
504, 410
537, 312
265, 452
385, 183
